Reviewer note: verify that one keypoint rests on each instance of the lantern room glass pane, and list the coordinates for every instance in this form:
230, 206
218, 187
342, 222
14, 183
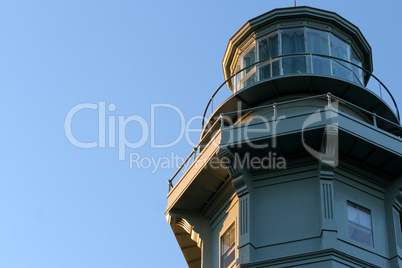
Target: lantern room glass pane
248, 59
318, 43
294, 64
340, 50
293, 41
268, 47
357, 73
323, 53
248, 76
269, 69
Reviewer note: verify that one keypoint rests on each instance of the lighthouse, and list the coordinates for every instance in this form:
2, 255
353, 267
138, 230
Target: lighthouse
302, 165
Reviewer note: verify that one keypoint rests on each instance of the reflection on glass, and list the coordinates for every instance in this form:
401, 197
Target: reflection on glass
340, 50
248, 76
330, 56
318, 43
294, 65
357, 73
268, 48
247, 60
249, 81
292, 41
228, 241
359, 219
269, 69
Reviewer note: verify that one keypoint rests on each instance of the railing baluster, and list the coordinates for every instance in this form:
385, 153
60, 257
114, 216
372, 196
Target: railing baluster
237, 84
311, 60
379, 84
270, 67
329, 100
212, 105
375, 119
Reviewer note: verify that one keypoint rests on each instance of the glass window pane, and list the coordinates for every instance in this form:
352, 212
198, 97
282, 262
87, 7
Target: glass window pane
340, 49
317, 42
228, 258
361, 235
228, 247
275, 68
365, 220
265, 72
341, 69
357, 73
359, 219
353, 214
268, 47
319, 65
248, 59
263, 53
269, 69
293, 41
247, 76
249, 81
294, 64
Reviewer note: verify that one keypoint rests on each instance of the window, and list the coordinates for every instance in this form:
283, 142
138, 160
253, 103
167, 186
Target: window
268, 49
360, 228
293, 42
318, 43
247, 77
340, 50
357, 73
228, 247
293, 51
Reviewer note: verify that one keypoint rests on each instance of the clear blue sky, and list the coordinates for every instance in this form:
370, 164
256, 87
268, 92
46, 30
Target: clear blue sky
62, 206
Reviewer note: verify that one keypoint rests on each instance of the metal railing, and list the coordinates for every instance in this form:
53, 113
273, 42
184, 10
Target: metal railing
376, 121
329, 98
346, 66
194, 153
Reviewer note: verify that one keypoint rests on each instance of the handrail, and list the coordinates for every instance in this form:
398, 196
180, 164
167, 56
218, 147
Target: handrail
194, 151
276, 104
301, 54
338, 60
328, 95
178, 170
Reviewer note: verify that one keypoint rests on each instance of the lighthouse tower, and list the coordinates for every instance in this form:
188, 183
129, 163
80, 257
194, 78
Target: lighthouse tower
302, 165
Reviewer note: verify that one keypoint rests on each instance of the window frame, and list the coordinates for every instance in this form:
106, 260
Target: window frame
357, 226
268, 61
241, 77
231, 248
337, 68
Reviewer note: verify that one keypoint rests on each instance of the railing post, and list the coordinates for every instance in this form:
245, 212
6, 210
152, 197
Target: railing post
311, 60
222, 122
212, 105
329, 100
274, 107
379, 84
270, 67
170, 185
375, 119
